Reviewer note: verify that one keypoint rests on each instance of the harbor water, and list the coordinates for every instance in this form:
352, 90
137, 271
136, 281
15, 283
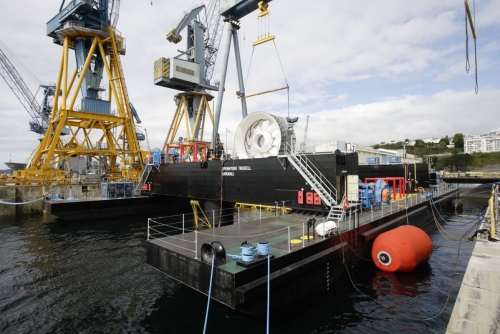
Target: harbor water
91, 277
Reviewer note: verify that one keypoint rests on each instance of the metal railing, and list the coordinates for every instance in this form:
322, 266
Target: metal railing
302, 160
177, 227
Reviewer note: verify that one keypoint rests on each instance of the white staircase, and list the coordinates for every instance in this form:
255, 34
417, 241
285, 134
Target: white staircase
144, 176
317, 180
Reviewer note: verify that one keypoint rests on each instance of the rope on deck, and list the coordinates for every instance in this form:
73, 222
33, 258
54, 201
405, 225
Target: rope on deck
268, 289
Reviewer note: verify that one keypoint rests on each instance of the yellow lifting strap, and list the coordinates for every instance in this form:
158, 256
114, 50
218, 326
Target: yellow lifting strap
265, 92
196, 205
469, 15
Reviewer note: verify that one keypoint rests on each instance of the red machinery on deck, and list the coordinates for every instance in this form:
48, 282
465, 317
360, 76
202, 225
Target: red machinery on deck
400, 182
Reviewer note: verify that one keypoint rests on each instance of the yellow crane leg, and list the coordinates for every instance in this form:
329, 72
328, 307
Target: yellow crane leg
196, 205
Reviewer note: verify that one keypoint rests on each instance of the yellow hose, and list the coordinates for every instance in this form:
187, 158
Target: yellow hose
492, 211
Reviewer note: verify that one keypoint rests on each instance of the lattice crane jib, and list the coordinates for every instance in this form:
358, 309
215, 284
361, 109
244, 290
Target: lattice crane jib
39, 113
96, 130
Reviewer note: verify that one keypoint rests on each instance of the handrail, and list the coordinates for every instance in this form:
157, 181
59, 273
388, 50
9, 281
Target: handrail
325, 183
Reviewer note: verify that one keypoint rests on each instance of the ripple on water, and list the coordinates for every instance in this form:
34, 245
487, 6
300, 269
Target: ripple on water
57, 276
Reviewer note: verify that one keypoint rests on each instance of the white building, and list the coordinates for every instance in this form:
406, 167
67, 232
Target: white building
431, 140
482, 143
366, 154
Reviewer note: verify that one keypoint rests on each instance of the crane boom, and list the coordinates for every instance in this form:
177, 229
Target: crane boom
215, 26
20, 89
174, 35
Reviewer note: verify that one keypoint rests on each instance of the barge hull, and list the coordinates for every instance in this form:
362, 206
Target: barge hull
265, 180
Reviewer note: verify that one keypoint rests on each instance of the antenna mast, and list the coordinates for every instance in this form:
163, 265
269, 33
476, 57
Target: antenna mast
303, 145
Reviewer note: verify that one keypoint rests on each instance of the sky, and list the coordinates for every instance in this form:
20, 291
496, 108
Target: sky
363, 71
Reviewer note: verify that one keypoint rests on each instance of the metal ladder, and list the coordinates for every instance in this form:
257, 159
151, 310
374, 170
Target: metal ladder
319, 182
144, 176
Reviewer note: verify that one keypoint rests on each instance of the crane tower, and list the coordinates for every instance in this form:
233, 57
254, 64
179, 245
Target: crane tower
96, 129
191, 71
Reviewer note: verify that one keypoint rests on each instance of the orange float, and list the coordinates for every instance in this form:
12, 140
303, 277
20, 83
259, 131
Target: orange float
401, 249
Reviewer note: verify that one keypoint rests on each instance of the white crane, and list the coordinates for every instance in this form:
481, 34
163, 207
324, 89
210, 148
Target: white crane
40, 114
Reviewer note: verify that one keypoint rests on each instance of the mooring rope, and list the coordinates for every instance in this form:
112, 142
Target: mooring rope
20, 203
268, 289
209, 294
392, 308
444, 233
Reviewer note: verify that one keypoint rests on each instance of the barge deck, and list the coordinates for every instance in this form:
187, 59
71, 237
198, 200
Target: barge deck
300, 266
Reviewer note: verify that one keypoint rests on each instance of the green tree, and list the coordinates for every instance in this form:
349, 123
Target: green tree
458, 140
445, 140
419, 143
460, 162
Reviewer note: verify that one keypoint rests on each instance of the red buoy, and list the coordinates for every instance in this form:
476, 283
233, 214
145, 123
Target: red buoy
401, 249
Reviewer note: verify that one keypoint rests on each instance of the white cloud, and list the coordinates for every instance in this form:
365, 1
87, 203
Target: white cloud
365, 71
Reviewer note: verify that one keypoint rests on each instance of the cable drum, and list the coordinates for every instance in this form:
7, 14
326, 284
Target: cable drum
263, 248
247, 252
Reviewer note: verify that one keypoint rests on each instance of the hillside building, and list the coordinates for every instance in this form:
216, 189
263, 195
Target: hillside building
482, 143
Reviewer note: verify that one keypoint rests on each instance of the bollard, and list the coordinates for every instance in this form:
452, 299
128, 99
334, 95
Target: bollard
182, 223
148, 230
238, 215
260, 211
371, 207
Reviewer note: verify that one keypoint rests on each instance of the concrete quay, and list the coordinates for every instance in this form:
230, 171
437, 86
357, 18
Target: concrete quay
10, 195
477, 308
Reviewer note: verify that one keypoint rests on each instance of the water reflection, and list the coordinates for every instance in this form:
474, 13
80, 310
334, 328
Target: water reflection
403, 284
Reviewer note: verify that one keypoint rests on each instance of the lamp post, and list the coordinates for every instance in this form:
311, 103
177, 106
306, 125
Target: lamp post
404, 158
226, 143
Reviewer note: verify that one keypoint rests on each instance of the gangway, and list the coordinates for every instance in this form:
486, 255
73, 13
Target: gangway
153, 161
319, 182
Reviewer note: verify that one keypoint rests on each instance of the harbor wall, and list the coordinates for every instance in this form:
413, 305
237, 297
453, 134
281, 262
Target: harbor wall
29, 193
7, 194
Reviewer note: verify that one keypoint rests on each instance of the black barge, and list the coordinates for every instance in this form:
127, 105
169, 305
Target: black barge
300, 267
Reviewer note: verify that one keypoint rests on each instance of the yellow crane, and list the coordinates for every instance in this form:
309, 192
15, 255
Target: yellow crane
97, 131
